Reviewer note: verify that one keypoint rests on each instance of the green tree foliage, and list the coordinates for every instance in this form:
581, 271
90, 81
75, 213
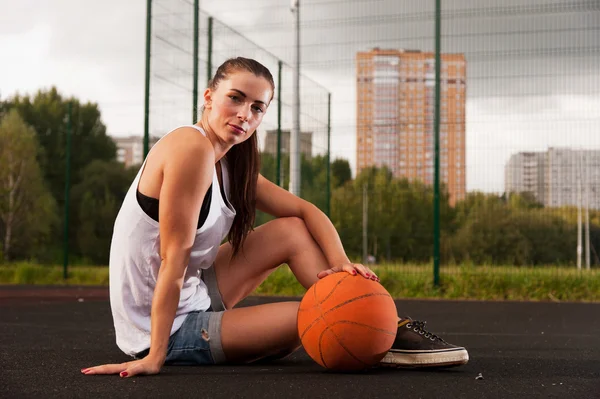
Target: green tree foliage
27, 210
524, 201
482, 228
46, 112
313, 186
400, 216
99, 196
340, 172
519, 231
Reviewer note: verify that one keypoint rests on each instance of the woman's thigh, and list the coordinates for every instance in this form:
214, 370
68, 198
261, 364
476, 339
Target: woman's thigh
265, 249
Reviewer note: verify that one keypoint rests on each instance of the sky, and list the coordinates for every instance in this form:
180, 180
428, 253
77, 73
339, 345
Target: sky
533, 66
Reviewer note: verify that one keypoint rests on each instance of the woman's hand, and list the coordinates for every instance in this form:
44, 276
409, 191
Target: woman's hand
352, 268
144, 366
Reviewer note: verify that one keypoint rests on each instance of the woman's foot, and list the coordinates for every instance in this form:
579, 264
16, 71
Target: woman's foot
416, 347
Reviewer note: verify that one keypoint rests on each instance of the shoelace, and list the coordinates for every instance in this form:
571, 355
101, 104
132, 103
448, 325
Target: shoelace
419, 327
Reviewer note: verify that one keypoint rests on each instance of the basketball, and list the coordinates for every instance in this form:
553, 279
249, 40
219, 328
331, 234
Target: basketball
346, 322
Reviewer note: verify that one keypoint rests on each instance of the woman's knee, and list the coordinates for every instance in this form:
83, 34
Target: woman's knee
296, 233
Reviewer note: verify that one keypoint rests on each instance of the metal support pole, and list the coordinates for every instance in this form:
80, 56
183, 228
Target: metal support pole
578, 180
147, 87
209, 55
586, 184
195, 61
436, 184
67, 193
328, 204
365, 221
295, 133
279, 172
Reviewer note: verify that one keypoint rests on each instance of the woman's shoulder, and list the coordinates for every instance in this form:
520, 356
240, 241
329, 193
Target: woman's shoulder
183, 145
186, 139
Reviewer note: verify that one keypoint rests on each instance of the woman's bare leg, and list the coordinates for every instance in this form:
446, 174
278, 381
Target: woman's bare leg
254, 332
284, 240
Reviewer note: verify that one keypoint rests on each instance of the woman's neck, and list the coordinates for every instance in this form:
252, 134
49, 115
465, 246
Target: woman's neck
219, 147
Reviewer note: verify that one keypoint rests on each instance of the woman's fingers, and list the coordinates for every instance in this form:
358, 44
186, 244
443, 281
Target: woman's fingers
132, 370
327, 272
351, 268
105, 369
366, 272
128, 369
144, 366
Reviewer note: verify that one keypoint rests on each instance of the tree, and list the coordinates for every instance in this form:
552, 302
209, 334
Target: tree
313, 176
524, 200
46, 112
99, 195
340, 172
400, 216
26, 207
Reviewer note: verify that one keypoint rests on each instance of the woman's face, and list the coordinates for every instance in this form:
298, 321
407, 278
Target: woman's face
237, 106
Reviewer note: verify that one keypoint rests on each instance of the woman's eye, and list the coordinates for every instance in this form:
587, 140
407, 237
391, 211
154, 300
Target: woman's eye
258, 109
235, 98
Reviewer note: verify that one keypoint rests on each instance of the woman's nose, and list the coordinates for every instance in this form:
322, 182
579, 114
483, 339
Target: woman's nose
244, 113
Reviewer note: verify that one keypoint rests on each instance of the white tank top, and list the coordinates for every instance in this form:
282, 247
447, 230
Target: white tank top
135, 261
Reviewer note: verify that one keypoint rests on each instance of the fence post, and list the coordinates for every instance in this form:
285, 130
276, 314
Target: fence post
328, 203
67, 191
147, 85
436, 184
278, 170
209, 55
196, 44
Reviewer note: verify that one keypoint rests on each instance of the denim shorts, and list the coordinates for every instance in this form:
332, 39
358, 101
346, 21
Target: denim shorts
198, 340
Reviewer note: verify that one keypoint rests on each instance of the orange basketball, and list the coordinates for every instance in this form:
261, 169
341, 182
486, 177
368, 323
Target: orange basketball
347, 322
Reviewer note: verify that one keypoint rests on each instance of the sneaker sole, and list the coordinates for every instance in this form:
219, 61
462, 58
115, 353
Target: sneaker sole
414, 359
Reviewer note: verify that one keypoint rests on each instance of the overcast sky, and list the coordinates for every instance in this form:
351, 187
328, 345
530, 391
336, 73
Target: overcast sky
533, 66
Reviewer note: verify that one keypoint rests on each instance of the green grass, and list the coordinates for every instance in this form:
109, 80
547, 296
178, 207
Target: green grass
27, 273
549, 283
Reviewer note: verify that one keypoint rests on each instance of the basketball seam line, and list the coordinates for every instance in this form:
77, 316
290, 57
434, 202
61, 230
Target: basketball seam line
328, 295
339, 342
332, 290
364, 325
321, 317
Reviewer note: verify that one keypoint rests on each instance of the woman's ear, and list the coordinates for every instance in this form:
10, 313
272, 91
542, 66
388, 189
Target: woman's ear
207, 98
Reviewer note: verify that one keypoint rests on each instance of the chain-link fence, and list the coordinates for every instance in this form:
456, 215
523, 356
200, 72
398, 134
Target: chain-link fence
174, 66
517, 91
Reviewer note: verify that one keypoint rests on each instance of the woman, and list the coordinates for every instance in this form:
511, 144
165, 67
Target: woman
167, 261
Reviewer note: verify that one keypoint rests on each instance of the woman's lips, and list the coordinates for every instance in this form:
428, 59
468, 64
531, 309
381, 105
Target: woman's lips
237, 129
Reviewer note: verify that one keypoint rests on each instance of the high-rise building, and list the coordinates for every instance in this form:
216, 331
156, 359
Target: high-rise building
525, 172
557, 177
395, 115
271, 143
130, 150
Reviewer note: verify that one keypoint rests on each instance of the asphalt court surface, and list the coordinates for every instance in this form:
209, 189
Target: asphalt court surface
521, 349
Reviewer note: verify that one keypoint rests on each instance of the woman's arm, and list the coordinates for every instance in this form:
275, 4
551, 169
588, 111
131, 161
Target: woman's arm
278, 202
187, 175
187, 170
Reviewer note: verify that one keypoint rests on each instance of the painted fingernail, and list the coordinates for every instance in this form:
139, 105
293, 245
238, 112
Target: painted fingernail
354, 272
124, 374
367, 275
84, 370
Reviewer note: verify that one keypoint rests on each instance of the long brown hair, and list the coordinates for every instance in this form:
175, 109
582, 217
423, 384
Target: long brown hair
243, 160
